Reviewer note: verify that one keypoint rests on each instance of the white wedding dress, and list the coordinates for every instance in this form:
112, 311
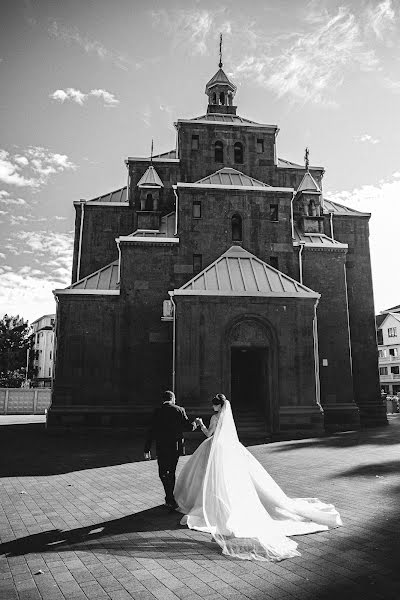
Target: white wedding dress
223, 490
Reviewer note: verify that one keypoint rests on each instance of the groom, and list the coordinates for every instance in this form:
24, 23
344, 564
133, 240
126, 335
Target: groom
167, 424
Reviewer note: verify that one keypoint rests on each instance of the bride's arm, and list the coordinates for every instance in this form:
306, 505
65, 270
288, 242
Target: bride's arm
213, 424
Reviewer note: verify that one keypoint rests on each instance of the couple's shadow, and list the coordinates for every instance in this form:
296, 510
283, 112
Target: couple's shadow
106, 534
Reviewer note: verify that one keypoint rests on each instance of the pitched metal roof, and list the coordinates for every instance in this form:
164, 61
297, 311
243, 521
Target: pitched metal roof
103, 279
232, 177
392, 309
316, 240
227, 119
238, 272
287, 164
116, 196
150, 178
340, 209
379, 320
220, 78
308, 184
169, 154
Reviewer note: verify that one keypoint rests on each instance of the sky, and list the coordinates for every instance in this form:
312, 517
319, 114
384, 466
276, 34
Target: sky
86, 83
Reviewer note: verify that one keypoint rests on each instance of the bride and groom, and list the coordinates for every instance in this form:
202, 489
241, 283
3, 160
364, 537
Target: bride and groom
223, 490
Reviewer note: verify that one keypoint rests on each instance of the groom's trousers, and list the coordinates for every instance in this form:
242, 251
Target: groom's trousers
167, 457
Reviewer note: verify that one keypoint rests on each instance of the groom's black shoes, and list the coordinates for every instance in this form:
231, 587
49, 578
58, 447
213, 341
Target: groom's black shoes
172, 505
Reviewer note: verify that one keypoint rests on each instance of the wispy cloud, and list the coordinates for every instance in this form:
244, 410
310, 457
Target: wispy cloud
381, 18
31, 169
146, 116
6, 198
72, 35
192, 28
80, 98
314, 62
365, 137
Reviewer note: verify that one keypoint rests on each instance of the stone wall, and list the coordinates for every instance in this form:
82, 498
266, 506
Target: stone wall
24, 401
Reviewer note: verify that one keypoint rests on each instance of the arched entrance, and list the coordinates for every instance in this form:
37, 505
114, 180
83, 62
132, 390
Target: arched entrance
252, 373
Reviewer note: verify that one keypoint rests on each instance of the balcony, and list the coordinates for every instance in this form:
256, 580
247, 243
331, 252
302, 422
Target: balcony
389, 377
389, 359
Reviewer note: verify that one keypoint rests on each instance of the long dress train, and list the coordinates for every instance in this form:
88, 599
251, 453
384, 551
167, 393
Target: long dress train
223, 490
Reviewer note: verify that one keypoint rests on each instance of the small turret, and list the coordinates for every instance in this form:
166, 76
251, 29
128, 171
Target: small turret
220, 90
308, 207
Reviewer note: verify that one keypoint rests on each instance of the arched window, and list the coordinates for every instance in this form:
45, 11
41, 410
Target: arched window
222, 98
219, 152
149, 202
238, 153
214, 98
236, 223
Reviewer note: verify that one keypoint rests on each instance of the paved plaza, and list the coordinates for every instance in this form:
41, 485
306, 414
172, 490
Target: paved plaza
82, 518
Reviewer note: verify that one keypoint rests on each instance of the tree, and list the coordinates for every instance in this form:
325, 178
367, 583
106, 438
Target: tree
14, 342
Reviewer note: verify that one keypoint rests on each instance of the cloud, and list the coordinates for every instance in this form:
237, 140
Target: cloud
2, 255
28, 289
365, 137
193, 28
382, 201
381, 18
108, 98
146, 116
312, 64
81, 97
392, 84
69, 94
31, 169
9, 171
5, 198
73, 36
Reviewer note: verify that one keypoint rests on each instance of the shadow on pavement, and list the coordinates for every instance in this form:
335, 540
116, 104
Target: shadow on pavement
32, 450
154, 519
382, 436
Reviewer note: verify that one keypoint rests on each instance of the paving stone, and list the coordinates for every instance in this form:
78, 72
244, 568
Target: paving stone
101, 532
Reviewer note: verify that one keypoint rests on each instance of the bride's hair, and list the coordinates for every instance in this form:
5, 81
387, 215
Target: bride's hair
219, 399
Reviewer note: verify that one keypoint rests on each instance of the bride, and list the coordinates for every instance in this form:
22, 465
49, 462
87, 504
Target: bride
223, 490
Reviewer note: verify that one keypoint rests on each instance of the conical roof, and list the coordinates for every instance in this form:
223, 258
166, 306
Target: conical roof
237, 272
220, 78
308, 184
150, 178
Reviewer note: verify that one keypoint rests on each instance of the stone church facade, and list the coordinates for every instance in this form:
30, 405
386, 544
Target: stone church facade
219, 268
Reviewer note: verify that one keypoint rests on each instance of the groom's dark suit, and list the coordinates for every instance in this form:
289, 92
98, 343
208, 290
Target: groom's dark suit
167, 424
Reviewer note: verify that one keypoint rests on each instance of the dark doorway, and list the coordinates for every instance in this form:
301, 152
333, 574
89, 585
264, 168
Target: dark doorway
249, 378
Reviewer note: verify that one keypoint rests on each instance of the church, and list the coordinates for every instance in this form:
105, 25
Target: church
219, 267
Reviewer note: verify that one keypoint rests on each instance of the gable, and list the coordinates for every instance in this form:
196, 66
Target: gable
238, 272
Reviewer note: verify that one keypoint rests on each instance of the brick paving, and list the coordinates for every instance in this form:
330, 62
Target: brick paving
80, 518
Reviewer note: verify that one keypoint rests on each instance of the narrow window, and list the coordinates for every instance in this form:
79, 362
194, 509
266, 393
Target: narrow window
51, 354
49, 372
380, 337
238, 153
195, 142
383, 370
273, 261
197, 263
214, 98
273, 212
222, 98
149, 202
196, 210
219, 152
237, 228
260, 146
